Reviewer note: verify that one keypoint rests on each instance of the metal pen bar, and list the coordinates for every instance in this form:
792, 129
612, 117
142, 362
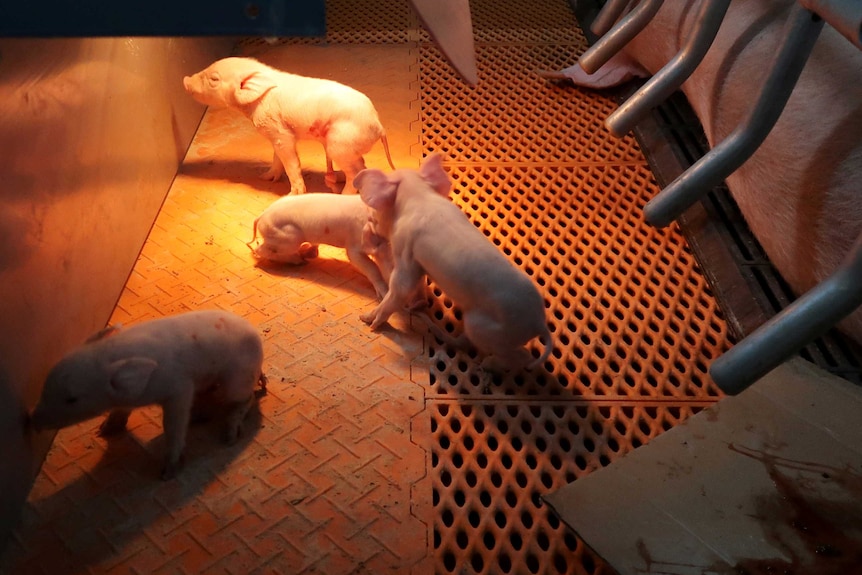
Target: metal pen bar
620, 35
843, 15
607, 16
802, 31
786, 333
667, 80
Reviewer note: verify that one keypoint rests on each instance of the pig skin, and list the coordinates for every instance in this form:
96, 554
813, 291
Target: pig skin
801, 191
287, 107
292, 227
502, 308
167, 361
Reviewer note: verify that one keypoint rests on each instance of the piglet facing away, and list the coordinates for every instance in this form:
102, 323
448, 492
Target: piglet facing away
286, 108
502, 309
293, 226
167, 361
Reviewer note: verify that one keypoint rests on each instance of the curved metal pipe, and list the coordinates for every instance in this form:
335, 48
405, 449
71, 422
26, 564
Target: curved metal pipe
620, 35
802, 31
607, 16
667, 80
786, 333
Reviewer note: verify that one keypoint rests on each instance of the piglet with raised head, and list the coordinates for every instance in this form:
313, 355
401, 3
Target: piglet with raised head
287, 108
167, 361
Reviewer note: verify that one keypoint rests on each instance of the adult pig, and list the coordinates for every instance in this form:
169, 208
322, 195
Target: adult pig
800, 192
502, 309
166, 361
287, 108
292, 227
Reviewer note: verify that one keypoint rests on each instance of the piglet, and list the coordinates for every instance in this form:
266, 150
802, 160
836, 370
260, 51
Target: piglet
287, 107
168, 361
502, 308
293, 226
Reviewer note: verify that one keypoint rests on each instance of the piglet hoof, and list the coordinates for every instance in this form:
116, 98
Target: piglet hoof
367, 318
171, 469
271, 175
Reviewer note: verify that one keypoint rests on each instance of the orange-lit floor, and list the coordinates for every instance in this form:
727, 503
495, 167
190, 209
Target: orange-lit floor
386, 452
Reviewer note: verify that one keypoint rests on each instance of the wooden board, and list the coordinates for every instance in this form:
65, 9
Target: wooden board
769, 481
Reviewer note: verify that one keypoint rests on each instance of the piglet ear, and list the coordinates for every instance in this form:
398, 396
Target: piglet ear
431, 170
253, 87
375, 189
129, 377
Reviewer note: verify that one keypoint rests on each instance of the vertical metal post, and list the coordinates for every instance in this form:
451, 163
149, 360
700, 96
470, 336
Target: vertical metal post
667, 80
802, 31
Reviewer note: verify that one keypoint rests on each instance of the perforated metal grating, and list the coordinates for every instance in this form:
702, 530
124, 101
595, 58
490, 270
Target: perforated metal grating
495, 460
513, 115
634, 323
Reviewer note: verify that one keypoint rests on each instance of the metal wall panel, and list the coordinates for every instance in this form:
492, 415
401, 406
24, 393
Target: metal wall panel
91, 134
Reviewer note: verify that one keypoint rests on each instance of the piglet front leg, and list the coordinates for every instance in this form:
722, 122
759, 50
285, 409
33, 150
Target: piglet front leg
402, 284
176, 414
275, 171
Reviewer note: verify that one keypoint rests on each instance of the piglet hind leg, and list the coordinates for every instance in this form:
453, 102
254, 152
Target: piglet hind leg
351, 163
115, 423
503, 350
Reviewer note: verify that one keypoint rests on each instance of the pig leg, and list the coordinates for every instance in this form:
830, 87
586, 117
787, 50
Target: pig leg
235, 416
285, 157
238, 392
402, 284
461, 342
275, 171
502, 346
343, 152
331, 178
364, 264
176, 413
115, 422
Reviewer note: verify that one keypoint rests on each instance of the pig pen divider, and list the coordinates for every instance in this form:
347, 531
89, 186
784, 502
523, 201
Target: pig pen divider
814, 315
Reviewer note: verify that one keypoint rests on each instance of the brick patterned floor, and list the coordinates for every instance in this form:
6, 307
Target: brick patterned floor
321, 480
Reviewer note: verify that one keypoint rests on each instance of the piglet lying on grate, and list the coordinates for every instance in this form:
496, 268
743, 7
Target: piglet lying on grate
286, 108
168, 361
501, 306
